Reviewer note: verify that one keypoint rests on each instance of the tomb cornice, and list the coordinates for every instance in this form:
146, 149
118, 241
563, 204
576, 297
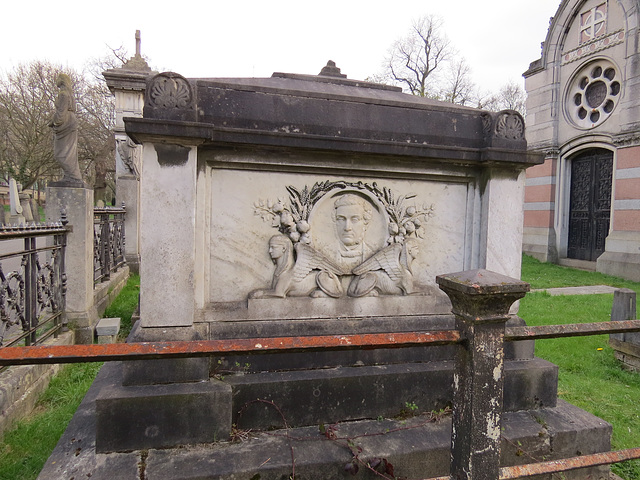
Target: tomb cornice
195, 133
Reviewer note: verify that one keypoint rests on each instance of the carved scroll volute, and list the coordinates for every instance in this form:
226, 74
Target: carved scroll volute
504, 129
170, 96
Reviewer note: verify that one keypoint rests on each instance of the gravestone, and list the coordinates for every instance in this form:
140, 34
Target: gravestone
303, 205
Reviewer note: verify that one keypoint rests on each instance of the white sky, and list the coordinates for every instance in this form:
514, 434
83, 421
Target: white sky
248, 38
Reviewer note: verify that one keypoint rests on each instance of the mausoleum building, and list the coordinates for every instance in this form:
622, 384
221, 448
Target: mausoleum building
583, 115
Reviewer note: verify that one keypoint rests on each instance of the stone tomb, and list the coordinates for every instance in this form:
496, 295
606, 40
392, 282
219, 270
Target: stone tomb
306, 205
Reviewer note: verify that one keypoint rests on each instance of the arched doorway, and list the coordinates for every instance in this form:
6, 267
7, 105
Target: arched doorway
590, 203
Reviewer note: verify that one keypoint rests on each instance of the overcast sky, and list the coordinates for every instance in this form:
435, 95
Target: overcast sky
211, 38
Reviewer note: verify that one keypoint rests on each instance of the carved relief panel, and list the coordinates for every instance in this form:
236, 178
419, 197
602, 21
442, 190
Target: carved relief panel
280, 235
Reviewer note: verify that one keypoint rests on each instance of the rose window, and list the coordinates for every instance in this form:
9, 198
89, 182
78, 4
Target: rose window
593, 94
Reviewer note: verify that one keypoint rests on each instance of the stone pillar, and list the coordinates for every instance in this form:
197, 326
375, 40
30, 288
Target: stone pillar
169, 236
78, 205
481, 300
128, 85
503, 222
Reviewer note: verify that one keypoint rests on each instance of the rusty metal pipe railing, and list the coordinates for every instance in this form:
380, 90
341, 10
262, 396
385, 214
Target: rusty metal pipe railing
563, 464
154, 350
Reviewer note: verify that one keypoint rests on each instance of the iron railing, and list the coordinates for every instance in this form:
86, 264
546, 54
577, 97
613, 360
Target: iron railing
33, 282
108, 241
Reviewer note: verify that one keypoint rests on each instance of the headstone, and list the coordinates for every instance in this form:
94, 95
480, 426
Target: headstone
17, 218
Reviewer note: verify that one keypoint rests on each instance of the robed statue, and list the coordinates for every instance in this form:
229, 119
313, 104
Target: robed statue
65, 131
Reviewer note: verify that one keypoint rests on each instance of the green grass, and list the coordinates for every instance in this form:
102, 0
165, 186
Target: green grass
547, 275
589, 375
25, 449
124, 305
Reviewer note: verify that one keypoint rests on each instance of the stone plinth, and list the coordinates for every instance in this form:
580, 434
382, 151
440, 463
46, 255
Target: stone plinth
77, 202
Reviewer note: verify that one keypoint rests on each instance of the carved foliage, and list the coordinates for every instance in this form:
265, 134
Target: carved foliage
387, 271
503, 125
292, 219
169, 91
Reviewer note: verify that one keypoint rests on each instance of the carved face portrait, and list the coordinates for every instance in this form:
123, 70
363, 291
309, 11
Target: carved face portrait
351, 216
413, 248
278, 246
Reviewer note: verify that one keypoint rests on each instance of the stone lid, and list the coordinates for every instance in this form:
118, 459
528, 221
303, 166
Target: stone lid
325, 112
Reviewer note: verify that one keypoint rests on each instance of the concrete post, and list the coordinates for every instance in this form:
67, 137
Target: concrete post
78, 204
481, 300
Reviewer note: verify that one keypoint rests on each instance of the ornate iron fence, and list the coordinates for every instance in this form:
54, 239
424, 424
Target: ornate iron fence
32, 282
108, 241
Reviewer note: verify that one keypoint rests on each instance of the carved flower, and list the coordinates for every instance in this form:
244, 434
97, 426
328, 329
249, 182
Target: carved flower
170, 93
510, 126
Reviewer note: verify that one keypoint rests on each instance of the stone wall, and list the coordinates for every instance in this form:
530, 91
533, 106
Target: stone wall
591, 46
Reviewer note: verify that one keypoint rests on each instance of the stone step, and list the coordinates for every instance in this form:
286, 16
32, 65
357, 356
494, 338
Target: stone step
128, 415
416, 447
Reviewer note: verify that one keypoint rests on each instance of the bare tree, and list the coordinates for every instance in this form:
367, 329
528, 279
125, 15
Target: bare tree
26, 107
413, 59
511, 96
27, 96
458, 87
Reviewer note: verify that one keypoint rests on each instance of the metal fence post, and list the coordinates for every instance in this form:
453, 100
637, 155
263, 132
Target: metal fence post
30, 288
481, 300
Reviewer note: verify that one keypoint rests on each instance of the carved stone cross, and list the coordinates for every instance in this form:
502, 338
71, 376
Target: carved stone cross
137, 43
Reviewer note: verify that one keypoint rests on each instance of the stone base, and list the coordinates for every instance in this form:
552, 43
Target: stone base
624, 265
415, 447
627, 353
161, 416
165, 371
311, 397
521, 350
83, 324
621, 257
433, 302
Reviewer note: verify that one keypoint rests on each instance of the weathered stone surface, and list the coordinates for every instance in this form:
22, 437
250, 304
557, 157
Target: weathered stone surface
164, 371
349, 393
415, 448
138, 417
521, 350
108, 326
78, 205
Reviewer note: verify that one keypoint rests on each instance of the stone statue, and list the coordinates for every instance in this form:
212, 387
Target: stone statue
351, 215
290, 273
65, 131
